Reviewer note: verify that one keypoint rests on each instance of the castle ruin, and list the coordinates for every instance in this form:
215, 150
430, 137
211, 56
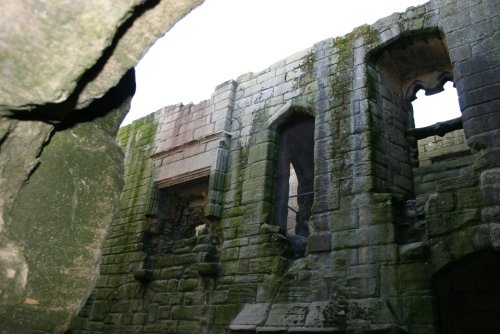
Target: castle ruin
302, 199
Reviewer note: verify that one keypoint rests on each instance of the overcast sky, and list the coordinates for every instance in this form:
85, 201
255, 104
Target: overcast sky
223, 39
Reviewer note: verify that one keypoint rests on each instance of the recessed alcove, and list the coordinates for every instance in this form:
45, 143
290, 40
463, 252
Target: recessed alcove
469, 295
294, 179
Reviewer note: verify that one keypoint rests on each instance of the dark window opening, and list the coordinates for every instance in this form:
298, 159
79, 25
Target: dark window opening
180, 217
294, 180
469, 295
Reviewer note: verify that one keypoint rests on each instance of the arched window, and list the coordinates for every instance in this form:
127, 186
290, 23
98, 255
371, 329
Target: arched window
294, 179
398, 71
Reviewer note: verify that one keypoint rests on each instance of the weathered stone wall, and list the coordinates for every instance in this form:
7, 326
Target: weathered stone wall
435, 146
382, 230
67, 83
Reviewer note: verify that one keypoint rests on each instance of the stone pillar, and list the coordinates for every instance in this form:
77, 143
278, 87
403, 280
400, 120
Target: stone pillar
473, 39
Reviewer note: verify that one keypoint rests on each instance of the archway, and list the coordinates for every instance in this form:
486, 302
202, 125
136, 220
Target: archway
469, 294
296, 157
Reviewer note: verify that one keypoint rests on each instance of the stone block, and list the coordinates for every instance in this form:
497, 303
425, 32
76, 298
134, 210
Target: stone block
194, 298
152, 314
161, 298
480, 124
225, 95
271, 83
490, 214
364, 236
455, 182
164, 312
476, 97
468, 198
288, 315
239, 267
172, 285
389, 281
179, 312
262, 96
325, 314
224, 314
188, 327
283, 88
442, 223
378, 254
242, 293
320, 222
490, 187
320, 242
494, 229
175, 298
236, 242
171, 272
260, 152
266, 291
267, 265
344, 258
371, 311
257, 251
363, 281
139, 319
252, 314
440, 202
413, 251
252, 90
227, 85
218, 297
261, 168
377, 213
265, 75
229, 254
204, 131
344, 220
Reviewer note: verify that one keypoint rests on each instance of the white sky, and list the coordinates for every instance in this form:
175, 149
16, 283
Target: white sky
222, 39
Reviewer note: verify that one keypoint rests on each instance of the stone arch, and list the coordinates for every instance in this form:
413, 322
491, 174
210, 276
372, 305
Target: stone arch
284, 113
295, 163
397, 70
468, 293
432, 85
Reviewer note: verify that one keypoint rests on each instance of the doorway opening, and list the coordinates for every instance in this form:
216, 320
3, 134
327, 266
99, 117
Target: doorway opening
294, 179
469, 295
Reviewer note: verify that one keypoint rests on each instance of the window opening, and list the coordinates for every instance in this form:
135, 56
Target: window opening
407, 138
294, 180
180, 217
438, 126
439, 107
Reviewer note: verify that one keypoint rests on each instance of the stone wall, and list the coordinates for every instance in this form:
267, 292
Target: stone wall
382, 231
437, 147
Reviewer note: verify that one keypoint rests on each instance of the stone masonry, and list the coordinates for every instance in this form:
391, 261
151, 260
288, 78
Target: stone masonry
396, 240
